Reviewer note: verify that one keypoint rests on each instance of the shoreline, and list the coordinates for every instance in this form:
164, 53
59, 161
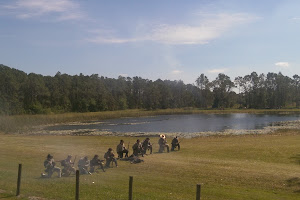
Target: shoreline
285, 125
25, 123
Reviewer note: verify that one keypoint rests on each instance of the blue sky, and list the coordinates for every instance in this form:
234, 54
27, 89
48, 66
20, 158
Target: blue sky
167, 39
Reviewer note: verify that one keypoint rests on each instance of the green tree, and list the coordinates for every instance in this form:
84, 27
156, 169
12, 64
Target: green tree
36, 94
202, 83
296, 85
222, 86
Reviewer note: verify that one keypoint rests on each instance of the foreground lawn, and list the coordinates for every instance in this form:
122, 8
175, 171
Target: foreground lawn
236, 167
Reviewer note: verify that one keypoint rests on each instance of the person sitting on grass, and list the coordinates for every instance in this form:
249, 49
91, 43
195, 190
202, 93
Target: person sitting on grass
110, 157
137, 148
121, 149
83, 165
147, 145
96, 162
68, 166
175, 143
49, 164
162, 143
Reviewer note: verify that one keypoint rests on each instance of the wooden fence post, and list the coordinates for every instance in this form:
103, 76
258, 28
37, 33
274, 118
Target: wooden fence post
130, 187
198, 192
19, 180
77, 185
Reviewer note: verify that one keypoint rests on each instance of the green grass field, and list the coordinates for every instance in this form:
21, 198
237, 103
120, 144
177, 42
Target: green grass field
229, 167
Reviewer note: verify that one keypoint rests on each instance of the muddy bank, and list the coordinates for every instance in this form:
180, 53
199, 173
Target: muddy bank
42, 130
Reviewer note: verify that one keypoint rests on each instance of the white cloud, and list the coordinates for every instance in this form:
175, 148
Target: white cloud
209, 27
175, 72
283, 65
103, 40
217, 71
63, 9
182, 34
123, 75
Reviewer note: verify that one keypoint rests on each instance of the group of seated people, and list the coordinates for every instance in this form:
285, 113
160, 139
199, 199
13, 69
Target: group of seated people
140, 148
87, 166
163, 143
84, 163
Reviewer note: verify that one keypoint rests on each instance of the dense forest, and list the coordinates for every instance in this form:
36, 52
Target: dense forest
22, 93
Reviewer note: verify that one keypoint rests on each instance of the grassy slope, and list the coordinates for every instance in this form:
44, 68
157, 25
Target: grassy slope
236, 167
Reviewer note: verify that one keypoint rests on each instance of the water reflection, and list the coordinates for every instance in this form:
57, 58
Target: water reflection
183, 123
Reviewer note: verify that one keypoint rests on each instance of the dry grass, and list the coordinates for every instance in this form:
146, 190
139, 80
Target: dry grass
235, 167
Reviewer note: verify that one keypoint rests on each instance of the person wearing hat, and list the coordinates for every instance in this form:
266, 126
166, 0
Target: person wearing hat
83, 165
96, 162
68, 166
175, 143
137, 148
147, 145
162, 143
110, 157
121, 149
49, 164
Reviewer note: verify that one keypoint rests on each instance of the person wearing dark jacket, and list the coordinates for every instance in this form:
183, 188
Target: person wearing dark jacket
83, 165
147, 145
121, 149
49, 164
110, 157
96, 162
137, 148
175, 143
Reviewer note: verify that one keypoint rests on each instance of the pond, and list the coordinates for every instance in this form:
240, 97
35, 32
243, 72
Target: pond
182, 123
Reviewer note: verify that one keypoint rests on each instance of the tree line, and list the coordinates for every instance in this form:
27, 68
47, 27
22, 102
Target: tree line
22, 93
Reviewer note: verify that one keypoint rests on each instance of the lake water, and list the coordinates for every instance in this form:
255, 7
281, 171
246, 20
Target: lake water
182, 123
